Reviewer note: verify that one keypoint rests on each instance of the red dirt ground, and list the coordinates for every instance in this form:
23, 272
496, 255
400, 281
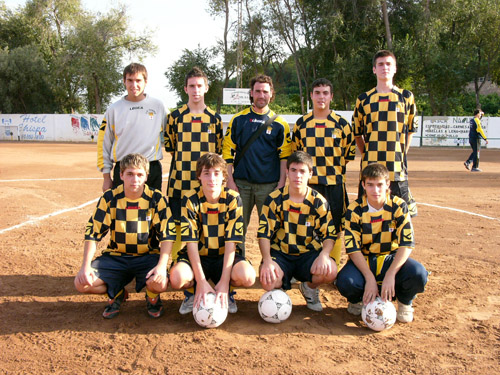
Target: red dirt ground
47, 327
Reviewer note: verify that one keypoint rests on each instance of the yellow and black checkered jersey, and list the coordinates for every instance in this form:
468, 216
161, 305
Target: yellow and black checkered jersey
384, 120
136, 227
211, 224
380, 232
261, 162
331, 144
189, 136
296, 228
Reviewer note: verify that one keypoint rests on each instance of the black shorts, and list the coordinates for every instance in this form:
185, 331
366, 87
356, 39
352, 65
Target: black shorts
336, 195
154, 177
118, 271
212, 266
298, 266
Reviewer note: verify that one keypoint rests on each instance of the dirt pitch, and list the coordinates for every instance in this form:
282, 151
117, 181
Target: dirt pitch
46, 327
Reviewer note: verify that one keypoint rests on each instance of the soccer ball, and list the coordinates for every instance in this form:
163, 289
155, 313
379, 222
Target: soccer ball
379, 315
210, 314
275, 306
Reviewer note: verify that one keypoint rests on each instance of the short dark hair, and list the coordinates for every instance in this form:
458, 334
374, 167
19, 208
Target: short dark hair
322, 82
382, 53
477, 111
261, 79
375, 170
134, 161
135, 68
300, 157
195, 72
211, 160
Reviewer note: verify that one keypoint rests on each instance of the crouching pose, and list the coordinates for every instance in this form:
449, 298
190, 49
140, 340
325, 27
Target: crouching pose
296, 234
211, 225
379, 240
136, 217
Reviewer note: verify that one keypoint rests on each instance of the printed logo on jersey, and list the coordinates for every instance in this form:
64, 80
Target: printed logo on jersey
184, 228
294, 210
337, 133
172, 229
132, 205
383, 99
269, 129
151, 113
212, 211
349, 241
392, 226
257, 120
321, 125
136, 108
196, 120
238, 229
310, 221
407, 235
376, 219
262, 226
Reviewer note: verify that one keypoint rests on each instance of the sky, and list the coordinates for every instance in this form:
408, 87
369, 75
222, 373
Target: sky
177, 25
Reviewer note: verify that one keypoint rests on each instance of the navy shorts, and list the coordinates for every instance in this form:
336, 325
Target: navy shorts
298, 266
337, 198
118, 271
212, 266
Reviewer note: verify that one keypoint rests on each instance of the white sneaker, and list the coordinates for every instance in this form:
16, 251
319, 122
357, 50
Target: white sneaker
233, 307
405, 313
311, 296
355, 308
187, 304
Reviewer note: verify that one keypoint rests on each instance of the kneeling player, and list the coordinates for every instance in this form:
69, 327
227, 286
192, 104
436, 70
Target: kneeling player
211, 225
379, 240
136, 217
296, 235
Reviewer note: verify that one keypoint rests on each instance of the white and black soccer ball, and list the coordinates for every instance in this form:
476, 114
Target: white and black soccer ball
275, 306
379, 315
210, 314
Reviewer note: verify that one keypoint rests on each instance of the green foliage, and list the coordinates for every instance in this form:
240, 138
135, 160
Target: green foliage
176, 74
79, 53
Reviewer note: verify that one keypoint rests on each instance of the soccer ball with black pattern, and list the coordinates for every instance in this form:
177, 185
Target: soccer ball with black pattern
275, 306
210, 314
379, 315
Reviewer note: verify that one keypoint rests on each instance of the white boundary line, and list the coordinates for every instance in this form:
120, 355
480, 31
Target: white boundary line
52, 179
451, 209
33, 221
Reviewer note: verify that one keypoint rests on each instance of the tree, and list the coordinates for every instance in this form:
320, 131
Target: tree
176, 73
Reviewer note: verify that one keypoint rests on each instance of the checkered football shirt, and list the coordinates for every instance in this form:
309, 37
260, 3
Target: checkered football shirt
136, 227
211, 224
385, 120
380, 232
296, 228
331, 144
189, 136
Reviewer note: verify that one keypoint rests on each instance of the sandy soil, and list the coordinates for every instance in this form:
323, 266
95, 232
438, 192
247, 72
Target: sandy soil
47, 327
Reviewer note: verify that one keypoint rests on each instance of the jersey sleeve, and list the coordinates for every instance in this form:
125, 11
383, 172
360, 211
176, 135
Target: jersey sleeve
160, 220
479, 128
296, 138
404, 227
326, 227
170, 133
105, 138
358, 120
219, 129
353, 230
269, 221
228, 146
349, 142
285, 148
100, 221
189, 220
234, 221
412, 113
